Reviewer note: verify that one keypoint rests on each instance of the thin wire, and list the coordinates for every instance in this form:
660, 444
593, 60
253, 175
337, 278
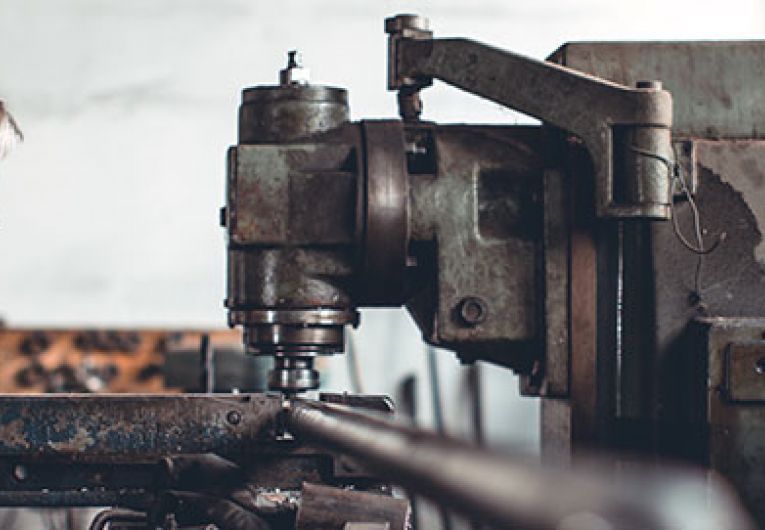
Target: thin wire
696, 216
699, 247
673, 168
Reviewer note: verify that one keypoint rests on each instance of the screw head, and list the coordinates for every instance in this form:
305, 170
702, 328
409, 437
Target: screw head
472, 310
234, 417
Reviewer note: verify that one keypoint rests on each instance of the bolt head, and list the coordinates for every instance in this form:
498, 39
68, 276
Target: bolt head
472, 310
234, 417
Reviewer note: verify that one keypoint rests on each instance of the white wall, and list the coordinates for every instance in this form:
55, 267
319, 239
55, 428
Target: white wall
108, 212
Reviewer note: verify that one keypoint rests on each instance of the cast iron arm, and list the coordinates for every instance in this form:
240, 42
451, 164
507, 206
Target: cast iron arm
626, 131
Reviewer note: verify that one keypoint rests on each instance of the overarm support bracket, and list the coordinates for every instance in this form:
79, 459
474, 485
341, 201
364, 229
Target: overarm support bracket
626, 130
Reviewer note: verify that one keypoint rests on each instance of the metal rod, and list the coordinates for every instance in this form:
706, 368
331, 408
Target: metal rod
438, 417
516, 492
206, 365
407, 404
476, 410
435, 390
476, 404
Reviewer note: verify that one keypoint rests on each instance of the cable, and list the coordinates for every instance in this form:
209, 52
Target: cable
674, 171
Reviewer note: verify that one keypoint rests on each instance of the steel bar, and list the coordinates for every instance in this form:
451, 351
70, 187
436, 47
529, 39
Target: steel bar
102, 450
105, 450
515, 492
133, 428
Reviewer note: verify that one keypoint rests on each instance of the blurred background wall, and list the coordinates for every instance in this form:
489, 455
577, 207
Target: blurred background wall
109, 210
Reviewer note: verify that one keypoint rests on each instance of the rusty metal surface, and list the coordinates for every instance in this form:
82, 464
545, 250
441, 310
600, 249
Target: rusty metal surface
550, 373
555, 438
731, 280
584, 290
615, 122
386, 213
97, 450
736, 429
134, 428
482, 214
740, 166
291, 216
457, 234
714, 84
272, 194
660, 383
557, 310
745, 369
273, 114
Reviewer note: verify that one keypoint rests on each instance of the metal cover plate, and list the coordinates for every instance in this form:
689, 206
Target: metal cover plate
714, 85
746, 371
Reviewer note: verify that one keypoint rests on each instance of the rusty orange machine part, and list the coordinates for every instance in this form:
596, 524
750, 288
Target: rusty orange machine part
97, 360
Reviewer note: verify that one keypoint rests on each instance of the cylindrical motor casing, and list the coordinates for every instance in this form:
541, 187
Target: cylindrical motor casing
274, 114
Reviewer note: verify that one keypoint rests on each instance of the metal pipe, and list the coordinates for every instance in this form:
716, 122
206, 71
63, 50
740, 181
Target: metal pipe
206, 365
516, 492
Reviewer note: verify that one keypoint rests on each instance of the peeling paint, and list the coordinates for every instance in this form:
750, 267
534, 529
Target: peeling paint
143, 427
742, 165
11, 434
81, 441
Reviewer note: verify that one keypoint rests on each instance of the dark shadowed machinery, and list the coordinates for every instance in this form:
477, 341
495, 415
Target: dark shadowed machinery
612, 256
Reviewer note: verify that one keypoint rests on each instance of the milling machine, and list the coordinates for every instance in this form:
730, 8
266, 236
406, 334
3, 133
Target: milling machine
611, 256
560, 251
